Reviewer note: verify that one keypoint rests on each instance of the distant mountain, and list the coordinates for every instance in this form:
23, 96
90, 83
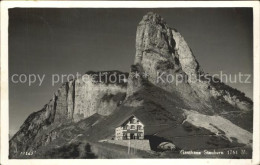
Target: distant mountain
204, 112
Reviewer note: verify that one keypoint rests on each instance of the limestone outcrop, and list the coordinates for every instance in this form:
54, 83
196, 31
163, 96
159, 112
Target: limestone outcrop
72, 102
165, 56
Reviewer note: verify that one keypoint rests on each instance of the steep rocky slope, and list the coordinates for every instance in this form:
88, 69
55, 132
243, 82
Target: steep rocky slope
92, 108
161, 49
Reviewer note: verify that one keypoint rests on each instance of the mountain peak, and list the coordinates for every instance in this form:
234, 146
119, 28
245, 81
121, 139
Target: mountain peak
153, 18
161, 49
157, 42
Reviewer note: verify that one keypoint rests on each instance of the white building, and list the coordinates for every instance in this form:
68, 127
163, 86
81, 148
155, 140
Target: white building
132, 128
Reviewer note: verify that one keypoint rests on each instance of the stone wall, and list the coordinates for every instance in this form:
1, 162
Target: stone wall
138, 144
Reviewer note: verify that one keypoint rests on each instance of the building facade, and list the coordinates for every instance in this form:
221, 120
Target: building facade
132, 128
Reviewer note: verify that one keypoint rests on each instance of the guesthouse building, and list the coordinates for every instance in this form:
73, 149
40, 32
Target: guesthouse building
130, 129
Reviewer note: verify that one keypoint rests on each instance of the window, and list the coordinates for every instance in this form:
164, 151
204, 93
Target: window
124, 136
140, 136
132, 127
139, 127
132, 121
126, 127
135, 136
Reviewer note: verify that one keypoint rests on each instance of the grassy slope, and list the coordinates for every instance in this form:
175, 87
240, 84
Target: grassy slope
158, 111
220, 125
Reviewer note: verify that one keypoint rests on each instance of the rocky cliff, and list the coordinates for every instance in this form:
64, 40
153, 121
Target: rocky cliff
161, 50
72, 102
164, 55
162, 104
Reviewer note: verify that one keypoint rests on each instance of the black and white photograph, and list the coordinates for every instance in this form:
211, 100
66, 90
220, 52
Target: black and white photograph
130, 83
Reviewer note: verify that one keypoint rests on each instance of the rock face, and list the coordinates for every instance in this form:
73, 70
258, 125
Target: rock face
73, 101
83, 97
161, 52
156, 53
101, 98
165, 56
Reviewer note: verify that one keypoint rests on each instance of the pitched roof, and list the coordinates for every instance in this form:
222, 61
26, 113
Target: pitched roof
127, 118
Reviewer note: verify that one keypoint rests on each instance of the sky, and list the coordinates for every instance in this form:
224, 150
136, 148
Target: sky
66, 41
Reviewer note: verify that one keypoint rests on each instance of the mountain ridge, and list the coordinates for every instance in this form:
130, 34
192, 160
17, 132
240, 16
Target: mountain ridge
159, 49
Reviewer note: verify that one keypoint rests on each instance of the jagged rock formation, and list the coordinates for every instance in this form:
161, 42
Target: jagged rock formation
162, 53
160, 50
